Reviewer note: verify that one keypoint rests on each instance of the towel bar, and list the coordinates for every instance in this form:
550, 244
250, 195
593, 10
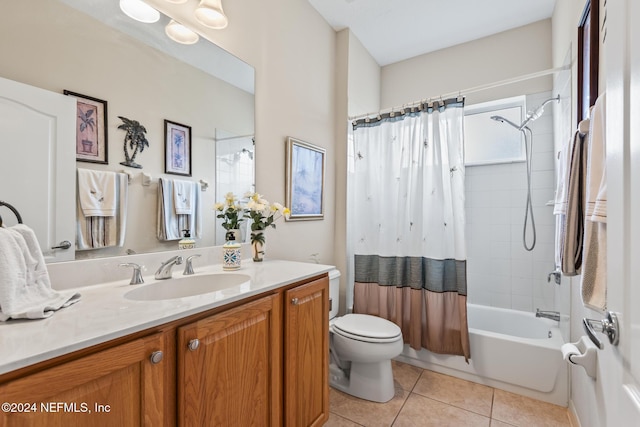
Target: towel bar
14, 210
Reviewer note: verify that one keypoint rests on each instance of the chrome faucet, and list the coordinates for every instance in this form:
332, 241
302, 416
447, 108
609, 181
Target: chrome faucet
553, 315
188, 268
164, 272
136, 277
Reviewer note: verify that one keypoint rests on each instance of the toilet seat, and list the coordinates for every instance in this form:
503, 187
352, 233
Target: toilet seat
363, 327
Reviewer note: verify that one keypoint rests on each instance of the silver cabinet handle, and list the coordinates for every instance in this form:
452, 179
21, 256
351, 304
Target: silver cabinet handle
608, 326
156, 357
294, 301
194, 344
65, 244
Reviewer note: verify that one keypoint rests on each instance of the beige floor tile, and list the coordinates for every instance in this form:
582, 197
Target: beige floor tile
496, 423
405, 375
419, 411
364, 412
338, 421
455, 391
526, 412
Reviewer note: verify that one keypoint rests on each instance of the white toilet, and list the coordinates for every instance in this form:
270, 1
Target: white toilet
361, 348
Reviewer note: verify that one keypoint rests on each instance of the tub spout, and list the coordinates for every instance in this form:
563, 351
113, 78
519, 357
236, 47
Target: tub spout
553, 315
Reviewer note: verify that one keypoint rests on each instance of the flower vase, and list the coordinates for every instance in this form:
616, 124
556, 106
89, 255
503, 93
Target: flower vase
257, 245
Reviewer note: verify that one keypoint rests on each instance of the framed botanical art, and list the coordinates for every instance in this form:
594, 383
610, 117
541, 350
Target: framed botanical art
588, 57
305, 180
177, 148
91, 129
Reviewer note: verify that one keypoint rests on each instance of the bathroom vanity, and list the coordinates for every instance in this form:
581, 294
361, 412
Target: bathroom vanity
250, 354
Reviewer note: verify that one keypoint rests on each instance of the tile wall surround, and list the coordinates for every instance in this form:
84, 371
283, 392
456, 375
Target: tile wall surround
500, 272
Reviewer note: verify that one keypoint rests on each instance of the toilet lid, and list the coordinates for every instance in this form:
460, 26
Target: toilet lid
364, 327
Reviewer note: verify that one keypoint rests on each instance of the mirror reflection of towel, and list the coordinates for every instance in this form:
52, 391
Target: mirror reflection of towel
94, 232
170, 224
184, 194
97, 192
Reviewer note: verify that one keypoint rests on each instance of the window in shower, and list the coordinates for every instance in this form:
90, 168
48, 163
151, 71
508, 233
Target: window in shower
492, 141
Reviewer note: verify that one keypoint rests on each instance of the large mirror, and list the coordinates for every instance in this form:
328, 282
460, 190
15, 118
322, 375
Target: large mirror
91, 48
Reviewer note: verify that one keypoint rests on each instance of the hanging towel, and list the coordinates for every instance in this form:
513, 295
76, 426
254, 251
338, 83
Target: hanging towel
569, 204
25, 288
594, 272
170, 224
95, 232
97, 192
184, 193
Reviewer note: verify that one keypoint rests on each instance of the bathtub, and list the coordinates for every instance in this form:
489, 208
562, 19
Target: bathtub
510, 350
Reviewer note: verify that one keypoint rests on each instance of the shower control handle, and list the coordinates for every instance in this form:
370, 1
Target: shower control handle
608, 326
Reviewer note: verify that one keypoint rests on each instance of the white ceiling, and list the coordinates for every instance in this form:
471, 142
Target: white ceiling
394, 30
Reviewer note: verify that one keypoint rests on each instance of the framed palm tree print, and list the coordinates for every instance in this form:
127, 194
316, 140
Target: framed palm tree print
177, 148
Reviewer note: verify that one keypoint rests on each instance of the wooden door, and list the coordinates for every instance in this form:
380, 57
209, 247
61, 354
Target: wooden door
120, 386
306, 354
37, 139
230, 367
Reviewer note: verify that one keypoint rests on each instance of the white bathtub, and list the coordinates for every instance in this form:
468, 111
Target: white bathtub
511, 350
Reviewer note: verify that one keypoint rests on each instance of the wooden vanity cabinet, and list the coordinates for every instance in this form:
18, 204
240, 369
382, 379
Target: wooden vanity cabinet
263, 362
306, 350
228, 367
118, 386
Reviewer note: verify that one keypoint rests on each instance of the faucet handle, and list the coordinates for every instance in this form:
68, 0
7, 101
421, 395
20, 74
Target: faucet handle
188, 268
136, 278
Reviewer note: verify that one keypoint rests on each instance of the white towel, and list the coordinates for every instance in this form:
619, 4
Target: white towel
170, 224
25, 288
97, 192
100, 232
184, 194
594, 273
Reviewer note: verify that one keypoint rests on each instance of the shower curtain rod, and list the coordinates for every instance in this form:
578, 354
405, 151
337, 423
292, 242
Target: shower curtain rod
459, 93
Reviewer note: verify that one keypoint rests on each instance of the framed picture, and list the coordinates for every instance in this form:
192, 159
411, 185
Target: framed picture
91, 129
177, 148
305, 180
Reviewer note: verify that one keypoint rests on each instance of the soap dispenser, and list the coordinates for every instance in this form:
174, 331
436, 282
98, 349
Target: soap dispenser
231, 253
187, 242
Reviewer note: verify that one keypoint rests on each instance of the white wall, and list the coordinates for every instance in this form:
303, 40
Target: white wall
588, 399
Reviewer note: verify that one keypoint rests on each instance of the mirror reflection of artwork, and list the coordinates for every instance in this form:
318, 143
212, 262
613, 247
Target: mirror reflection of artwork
91, 129
177, 148
305, 180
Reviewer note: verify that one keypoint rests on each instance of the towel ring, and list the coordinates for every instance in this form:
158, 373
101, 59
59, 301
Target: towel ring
14, 210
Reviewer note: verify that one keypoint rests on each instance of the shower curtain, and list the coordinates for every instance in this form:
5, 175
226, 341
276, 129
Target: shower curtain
406, 224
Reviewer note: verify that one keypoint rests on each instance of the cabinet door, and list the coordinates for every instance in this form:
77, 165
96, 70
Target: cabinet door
306, 354
229, 367
119, 386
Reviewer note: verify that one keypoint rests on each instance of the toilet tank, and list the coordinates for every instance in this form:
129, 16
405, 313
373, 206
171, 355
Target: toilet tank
334, 293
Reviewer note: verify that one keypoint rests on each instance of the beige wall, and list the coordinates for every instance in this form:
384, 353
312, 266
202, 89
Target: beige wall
294, 53
68, 50
506, 55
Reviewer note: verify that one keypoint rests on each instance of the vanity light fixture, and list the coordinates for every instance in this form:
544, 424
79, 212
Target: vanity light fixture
181, 34
140, 11
210, 14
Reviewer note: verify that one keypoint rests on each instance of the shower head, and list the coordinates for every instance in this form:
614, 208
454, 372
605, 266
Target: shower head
503, 120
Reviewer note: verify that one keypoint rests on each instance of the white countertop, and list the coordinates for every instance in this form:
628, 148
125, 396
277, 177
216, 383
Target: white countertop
103, 312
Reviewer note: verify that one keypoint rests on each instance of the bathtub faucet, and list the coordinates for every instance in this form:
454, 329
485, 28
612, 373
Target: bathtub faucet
553, 315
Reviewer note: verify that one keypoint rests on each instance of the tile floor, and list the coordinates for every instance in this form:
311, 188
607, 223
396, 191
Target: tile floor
425, 398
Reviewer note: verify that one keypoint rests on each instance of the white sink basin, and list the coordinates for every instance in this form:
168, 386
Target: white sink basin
186, 286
